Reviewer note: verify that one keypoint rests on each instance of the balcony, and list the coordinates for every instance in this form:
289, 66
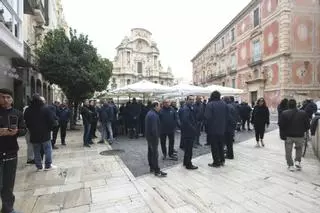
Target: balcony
10, 30
256, 76
39, 12
255, 61
231, 70
213, 77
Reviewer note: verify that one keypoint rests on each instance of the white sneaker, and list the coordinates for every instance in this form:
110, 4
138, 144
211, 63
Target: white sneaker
298, 165
51, 168
291, 168
39, 170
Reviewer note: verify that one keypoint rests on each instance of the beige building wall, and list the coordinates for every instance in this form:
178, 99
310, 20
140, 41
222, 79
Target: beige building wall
138, 58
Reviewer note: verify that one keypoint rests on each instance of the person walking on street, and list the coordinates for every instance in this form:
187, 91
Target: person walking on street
188, 132
86, 119
11, 126
152, 134
294, 124
30, 154
245, 113
180, 111
217, 115
260, 119
231, 127
40, 121
94, 118
64, 114
168, 123
106, 117
199, 111
54, 109
283, 106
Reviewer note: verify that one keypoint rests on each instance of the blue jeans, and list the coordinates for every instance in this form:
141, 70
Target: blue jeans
86, 134
47, 148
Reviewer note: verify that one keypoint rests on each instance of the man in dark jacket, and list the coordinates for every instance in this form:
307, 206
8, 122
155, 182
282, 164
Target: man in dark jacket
54, 108
231, 127
180, 111
64, 114
168, 122
216, 115
40, 121
236, 105
11, 126
199, 111
188, 131
245, 113
134, 110
86, 119
152, 133
106, 114
94, 118
294, 124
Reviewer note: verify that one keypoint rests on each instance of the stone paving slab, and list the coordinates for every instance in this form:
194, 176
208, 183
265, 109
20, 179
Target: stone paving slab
85, 181
256, 181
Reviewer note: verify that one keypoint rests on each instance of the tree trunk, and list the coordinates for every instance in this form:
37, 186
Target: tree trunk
75, 113
72, 109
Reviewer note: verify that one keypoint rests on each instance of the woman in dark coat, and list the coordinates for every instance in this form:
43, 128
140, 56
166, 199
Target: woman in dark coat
282, 107
260, 119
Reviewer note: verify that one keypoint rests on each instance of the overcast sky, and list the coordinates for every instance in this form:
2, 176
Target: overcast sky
181, 28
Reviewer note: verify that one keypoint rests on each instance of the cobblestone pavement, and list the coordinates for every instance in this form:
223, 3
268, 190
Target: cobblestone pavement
135, 151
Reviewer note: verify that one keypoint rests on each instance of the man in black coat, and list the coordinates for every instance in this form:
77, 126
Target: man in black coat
40, 121
152, 133
231, 127
245, 113
87, 120
216, 115
11, 126
168, 122
294, 124
199, 111
188, 131
134, 110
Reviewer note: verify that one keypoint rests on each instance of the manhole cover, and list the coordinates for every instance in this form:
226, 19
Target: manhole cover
112, 152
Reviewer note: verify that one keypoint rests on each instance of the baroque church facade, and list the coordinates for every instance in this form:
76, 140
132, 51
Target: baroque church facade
138, 59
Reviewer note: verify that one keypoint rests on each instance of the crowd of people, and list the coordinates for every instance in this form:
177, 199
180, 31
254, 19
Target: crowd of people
218, 117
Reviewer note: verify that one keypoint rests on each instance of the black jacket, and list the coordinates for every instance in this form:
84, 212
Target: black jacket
199, 111
245, 111
9, 144
152, 125
188, 122
260, 116
216, 115
294, 123
232, 119
168, 120
86, 115
106, 114
39, 121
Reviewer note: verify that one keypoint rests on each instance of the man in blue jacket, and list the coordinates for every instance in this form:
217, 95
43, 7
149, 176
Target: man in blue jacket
188, 132
63, 114
216, 114
168, 123
152, 133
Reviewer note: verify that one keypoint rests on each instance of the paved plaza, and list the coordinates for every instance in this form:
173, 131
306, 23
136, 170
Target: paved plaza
85, 181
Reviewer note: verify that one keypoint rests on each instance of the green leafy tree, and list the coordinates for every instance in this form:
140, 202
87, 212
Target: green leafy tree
73, 64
